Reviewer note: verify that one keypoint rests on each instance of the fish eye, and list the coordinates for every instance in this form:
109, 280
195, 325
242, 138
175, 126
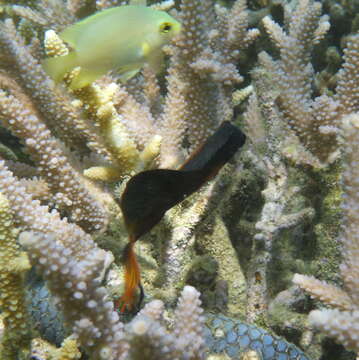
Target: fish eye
165, 27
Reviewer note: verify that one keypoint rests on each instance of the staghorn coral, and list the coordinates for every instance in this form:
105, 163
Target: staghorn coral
94, 322
85, 302
104, 117
148, 338
282, 91
108, 131
274, 217
225, 337
96, 130
341, 322
13, 264
313, 120
70, 194
202, 74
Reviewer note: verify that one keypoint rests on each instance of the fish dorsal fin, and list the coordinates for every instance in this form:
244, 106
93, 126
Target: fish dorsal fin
138, 2
73, 32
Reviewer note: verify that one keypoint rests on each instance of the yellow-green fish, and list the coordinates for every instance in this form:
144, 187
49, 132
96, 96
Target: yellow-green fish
122, 38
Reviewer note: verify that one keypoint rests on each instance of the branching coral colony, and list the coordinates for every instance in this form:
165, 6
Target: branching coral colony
82, 142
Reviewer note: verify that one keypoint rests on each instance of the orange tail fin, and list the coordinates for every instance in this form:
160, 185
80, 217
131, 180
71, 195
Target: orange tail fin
132, 277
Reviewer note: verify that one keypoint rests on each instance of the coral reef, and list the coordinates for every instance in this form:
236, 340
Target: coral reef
341, 321
223, 336
273, 211
13, 264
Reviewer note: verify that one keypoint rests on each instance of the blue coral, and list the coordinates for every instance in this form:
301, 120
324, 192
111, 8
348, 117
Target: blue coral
233, 337
47, 319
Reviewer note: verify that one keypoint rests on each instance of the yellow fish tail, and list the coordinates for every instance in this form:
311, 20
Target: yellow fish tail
57, 67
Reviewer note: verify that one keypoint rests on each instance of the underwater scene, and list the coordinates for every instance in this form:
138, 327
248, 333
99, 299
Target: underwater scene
179, 180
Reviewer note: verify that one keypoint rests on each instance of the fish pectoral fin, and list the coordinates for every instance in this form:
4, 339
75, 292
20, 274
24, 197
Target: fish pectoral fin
57, 67
156, 61
125, 75
85, 77
144, 50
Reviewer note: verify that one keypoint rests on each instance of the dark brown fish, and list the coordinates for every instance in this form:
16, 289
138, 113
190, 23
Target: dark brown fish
149, 194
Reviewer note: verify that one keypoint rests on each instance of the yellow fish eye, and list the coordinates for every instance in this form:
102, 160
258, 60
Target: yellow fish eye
165, 27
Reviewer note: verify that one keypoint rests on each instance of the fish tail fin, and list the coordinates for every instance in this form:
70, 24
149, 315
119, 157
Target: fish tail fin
57, 67
132, 276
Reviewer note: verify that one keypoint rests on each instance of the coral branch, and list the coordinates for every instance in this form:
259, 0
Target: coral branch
13, 265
